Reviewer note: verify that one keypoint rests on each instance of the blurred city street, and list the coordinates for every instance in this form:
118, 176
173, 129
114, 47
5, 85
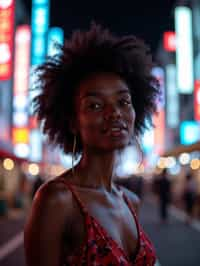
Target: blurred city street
164, 156
176, 243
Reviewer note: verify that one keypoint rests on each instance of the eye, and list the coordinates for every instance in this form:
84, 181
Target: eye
95, 106
125, 102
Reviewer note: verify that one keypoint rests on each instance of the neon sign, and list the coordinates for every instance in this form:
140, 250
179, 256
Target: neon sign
6, 38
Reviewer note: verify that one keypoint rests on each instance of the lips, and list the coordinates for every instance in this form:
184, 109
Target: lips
115, 128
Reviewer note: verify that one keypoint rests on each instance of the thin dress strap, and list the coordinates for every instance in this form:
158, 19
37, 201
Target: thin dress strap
126, 199
76, 196
136, 221
132, 210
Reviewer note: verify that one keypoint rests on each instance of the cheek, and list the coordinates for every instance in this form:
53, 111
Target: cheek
88, 124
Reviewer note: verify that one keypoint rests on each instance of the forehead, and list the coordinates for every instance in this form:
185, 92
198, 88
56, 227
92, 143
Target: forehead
104, 84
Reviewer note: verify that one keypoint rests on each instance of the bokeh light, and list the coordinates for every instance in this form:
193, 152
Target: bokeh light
8, 164
33, 169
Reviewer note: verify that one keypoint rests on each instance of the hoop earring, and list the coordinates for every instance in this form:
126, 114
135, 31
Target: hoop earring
73, 154
139, 149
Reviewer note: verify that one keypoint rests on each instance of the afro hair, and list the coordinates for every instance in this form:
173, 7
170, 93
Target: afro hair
86, 53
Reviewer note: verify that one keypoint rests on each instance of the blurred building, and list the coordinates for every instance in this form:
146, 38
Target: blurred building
8, 24
178, 55
25, 41
12, 14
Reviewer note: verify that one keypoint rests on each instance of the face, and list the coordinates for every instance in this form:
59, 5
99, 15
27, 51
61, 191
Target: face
104, 113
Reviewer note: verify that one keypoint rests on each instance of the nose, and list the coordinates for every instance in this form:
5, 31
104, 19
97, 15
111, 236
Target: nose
112, 112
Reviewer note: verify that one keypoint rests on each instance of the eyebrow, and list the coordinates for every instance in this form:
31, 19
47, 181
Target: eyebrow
96, 93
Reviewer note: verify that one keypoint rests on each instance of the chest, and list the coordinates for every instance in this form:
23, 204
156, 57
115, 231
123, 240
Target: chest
113, 215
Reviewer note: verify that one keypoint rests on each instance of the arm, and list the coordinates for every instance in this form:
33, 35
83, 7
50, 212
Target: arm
45, 226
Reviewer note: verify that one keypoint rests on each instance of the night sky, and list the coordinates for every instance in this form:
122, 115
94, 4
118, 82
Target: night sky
145, 19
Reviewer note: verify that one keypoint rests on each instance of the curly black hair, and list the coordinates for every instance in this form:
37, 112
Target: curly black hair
86, 53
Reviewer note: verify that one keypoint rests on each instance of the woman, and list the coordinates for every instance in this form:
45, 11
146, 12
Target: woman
96, 95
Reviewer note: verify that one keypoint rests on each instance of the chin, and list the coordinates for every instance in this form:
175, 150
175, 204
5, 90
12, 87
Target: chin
115, 146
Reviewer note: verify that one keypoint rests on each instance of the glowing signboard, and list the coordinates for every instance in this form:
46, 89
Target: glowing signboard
39, 29
189, 132
172, 106
20, 131
6, 38
55, 36
197, 100
169, 41
184, 49
158, 73
159, 132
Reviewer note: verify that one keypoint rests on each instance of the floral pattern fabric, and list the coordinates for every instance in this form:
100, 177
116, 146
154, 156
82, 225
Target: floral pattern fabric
99, 249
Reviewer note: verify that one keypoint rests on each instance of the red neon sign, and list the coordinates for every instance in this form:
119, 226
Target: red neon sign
169, 41
197, 100
159, 132
6, 38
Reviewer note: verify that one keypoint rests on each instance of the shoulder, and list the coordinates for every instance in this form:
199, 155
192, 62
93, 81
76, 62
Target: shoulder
52, 193
49, 218
52, 197
132, 197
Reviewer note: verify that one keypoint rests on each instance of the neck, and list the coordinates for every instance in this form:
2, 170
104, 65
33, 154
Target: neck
97, 170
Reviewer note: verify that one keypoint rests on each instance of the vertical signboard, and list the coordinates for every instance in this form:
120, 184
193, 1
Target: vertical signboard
55, 37
20, 130
159, 119
6, 38
159, 74
189, 132
184, 49
39, 29
159, 132
169, 41
172, 106
197, 100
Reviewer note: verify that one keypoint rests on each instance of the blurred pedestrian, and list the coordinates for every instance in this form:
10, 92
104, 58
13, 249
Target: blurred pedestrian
164, 195
189, 195
38, 181
22, 193
95, 97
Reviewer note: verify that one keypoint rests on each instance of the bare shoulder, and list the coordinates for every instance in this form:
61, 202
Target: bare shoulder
51, 194
48, 219
133, 198
51, 206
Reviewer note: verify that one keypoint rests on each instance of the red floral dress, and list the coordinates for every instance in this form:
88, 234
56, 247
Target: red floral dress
99, 249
